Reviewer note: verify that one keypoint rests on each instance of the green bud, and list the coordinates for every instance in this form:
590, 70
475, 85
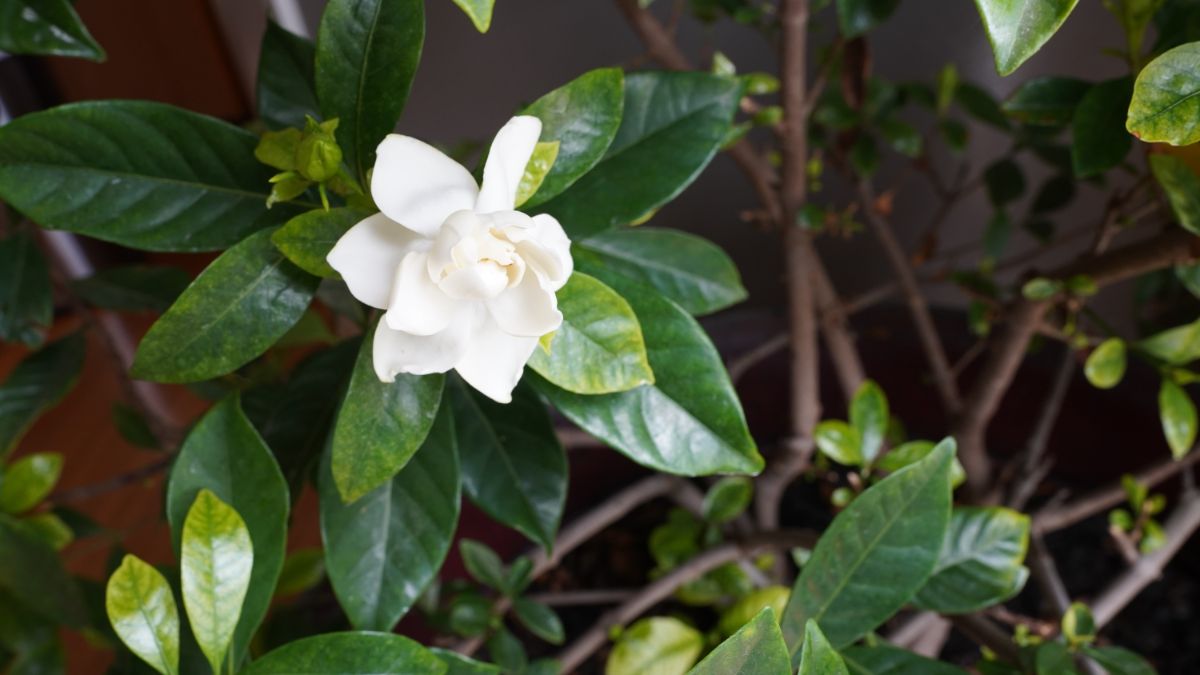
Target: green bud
318, 157
842, 497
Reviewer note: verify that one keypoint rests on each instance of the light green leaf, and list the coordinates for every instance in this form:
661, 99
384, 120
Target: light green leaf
876, 555
817, 656
142, 610
285, 90
540, 163
540, 620
480, 12
367, 54
1177, 346
693, 272
598, 349
757, 648
727, 499
840, 442
889, 660
1182, 186
234, 311
655, 646
1017, 29
45, 27
309, 237
1106, 364
1100, 140
27, 481
1078, 625
750, 605
869, 416
980, 563
348, 654
1178, 415
136, 288
26, 303
32, 572
1166, 106
1046, 101
38, 382
912, 452
50, 528
856, 17
1118, 661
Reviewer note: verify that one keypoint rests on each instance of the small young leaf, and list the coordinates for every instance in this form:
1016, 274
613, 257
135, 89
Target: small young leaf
840, 442
752, 605
1178, 415
480, 12
727, 499
27, 481
869, 417
655, 645
142, 610
482, 563
1106, 365
508, 651
540, 620
1177, 346
1078, 626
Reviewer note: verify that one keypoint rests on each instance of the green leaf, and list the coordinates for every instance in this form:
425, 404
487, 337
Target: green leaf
224, 454
1055, 193
693, 272
749, 606
367, 54
690, 421
513, 466
980, 563
540, 620
598, 349
1041, 288
1052, 658
1100, 141
38, 382
26, 303
32, 572
1178, 415
583, 116
914, 451
192, 184
876, 555
307, 239
980, 104
889, 660
817, 656
457, 664
385, 549
840, 442
1165, 107
45, 27
285, 90
1078, 625
540, 164
508, 651
1046, 101
27, 481
1182, 187
856, 17
756, 649
216, 557
869, 416
136, 288
142, 610
234, 311
655, 646
1005, 182
1177, 346
302, 570
1189, 277
480, 12
348, 654
727, 499
380, 425
483, 564
1118, 661
1017, 29
1106, 364
673, 125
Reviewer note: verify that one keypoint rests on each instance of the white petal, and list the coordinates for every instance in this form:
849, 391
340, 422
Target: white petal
417, 186
546, 248
495, 360
527, 309
396, 352
506, 163
477, 281
417, 305
369, 253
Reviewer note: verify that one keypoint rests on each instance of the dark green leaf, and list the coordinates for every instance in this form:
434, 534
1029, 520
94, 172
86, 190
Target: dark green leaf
457, 664
1189, 277
136, 288
583, 116
480, 12
234, 311
856, 17
981, 105
367, 54
876, 555
38, 382
756, 649
380, 425
26, 303
888, 660
508, 651
1054, 194
307, 239
540, 620
27, 481
980, 563
1178, 415
1182, 186
483, 564
285, 88
1046, 101
1005, 182
1118, 661
1165, 106
1106, 364
32, 572
1053, 659
673, 124
1100, 140
45, 27
869, 416
654, 646
141, 607
383, 550
348, 654
224, 454
817, 656
1017, 29
513, 465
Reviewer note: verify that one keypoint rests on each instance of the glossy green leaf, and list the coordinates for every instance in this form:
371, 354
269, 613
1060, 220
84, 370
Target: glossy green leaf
285, 89
367, 54
1177, 346
583, 116
540, 164
1100, 139
1106, 364
45, 27
513, 466
856, 17
693, 272
817, 656
1165, 106
141, 607
876, 555
656, 645
383, 550
1078, 625
1182, 187
135, 288
38, 382
33, 573
1178, 416
690, 421
840, 442
216, 557
1118, 661
483, 564
598, 349
727, 499
1046, 101
307, 239
224, 454
672, 126
457, 664
757, 648
348, 654
540, 620
889, 660
869, 416
26, 303
27, 481
1017, 29
380, 425
980, 563
234, 311
480, 12
192, 185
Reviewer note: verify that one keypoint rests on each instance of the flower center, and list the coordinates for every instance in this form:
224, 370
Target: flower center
472, 259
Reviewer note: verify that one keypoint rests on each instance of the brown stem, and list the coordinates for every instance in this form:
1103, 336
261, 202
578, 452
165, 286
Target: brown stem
1030, 472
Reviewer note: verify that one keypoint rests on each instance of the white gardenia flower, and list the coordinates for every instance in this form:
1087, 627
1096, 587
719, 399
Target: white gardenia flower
467, 281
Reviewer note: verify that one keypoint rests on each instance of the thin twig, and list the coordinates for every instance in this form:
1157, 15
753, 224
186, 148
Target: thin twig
1030, 474
609, 596
1045, 571
86, 492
